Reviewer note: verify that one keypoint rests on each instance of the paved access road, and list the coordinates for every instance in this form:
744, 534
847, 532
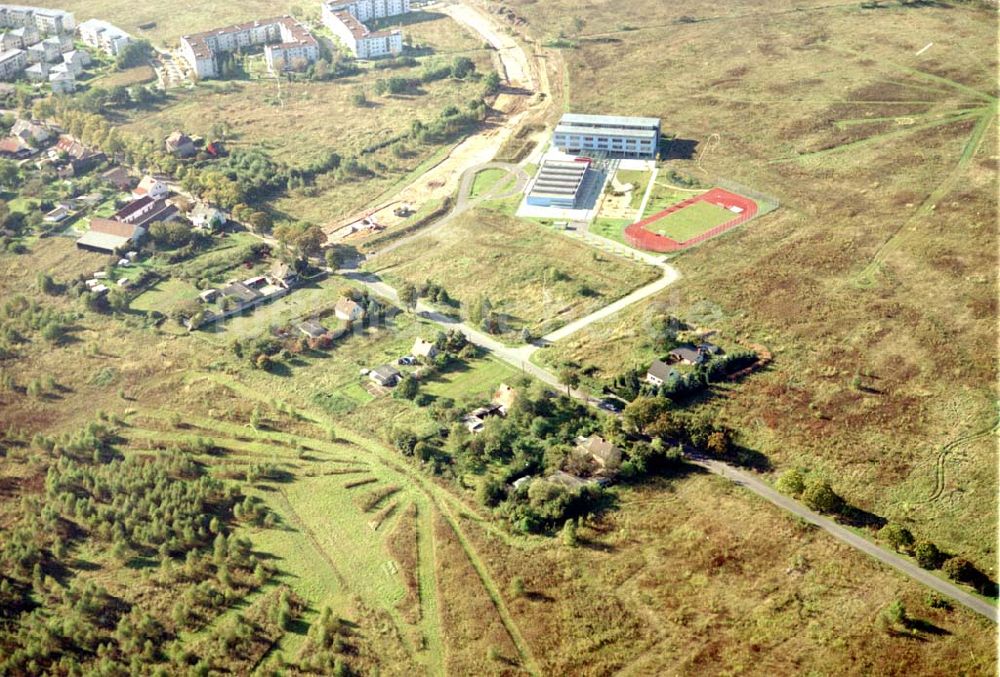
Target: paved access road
519, 357
845, 535
465, 202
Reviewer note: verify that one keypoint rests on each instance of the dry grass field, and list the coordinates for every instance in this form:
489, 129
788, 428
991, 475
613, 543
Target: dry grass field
299, 123
691, 573
875, 283
536, 278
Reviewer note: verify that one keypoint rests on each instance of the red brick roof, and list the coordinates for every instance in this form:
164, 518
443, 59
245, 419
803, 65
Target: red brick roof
112, 227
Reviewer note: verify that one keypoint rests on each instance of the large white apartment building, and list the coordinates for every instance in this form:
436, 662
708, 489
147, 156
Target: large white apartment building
611, 135
366, 10
288, 44
12, 62
103, 36
363, 42
346, 21
47, 21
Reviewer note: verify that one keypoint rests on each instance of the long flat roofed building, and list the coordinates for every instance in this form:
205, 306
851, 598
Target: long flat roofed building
347, 21
287, 44
558, 183
103, 36
612, 135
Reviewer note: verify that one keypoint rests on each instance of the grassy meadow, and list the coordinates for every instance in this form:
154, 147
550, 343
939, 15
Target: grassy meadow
536, 278
874, 283
423, 575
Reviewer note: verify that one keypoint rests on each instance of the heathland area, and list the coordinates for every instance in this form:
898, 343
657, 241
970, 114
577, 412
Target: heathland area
874, 284
249, 498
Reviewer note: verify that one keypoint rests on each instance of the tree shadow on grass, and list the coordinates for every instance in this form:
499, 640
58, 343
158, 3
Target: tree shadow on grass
925, 626
858, 517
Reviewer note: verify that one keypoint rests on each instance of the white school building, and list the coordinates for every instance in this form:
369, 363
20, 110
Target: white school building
610, 135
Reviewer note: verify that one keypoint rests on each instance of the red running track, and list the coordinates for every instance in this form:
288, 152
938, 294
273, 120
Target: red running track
637, 235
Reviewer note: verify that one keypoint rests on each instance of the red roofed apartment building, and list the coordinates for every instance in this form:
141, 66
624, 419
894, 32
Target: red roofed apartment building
288, 45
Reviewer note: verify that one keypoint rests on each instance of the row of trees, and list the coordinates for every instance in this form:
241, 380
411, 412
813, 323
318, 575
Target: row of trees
818, 494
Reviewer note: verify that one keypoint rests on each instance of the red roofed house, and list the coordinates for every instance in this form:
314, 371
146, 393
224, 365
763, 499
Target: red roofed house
152, 187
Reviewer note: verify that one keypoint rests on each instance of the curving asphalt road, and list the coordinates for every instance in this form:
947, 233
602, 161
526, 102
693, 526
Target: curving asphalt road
465, 202
845, 535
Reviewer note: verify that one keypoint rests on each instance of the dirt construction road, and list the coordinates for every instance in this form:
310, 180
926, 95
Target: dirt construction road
513, 104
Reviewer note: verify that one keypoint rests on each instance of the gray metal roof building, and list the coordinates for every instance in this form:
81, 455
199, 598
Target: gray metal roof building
558, 183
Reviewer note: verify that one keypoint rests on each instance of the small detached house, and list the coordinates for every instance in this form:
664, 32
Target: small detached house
604, 455
686, 355
204, 215
31, 131
422, 348
690, 354
660, 372
386, 376
151, 187
348, 310
180, 145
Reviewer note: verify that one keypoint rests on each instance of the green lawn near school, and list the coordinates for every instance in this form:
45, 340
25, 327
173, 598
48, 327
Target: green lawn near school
485, 180
663, 196
691, 221
613, 229
639, 179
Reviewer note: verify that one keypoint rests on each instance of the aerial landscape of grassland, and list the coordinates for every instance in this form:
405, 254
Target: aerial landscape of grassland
874, 283
387, 535
536, 278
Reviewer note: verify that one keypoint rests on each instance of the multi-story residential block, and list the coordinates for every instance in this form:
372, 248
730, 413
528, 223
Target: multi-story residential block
103, 36
61, 82
12, 62
611, 135
346, 21
366, 10
47, 21
288, 45
365, 43
21, 37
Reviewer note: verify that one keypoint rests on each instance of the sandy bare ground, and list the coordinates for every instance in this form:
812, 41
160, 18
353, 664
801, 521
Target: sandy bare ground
511, 107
